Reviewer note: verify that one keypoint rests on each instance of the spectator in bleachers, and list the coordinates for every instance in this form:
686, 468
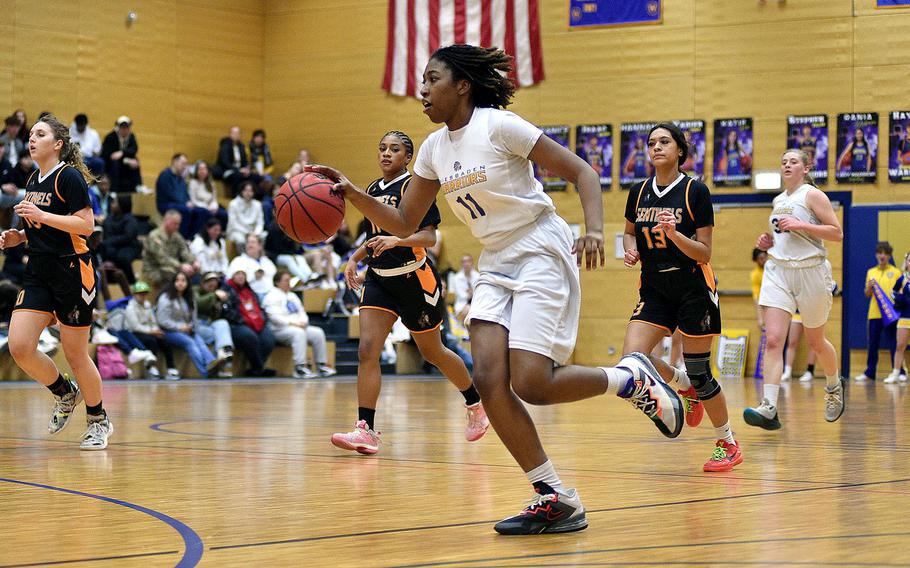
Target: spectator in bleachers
232, 165
343, 242
295, 169
259, 269
323, 260
23, 170
211, 325
10, 192
261, 155
209, 248
25, 128
303, 156
465, 281
105, 271
100, 195
286, 252
13, 265
245, 216
120, 152
249, 328
11, 141
176, 314
89, 143
290, 325
121, 245
202, 191
171, 192
9, 292
167, 253
140, 319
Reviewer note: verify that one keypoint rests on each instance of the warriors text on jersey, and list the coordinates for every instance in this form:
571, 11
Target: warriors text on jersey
485, 175
62, 191
390, 193
690, 203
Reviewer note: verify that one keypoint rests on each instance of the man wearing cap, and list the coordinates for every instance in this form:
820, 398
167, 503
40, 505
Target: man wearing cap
89, 143
119, 152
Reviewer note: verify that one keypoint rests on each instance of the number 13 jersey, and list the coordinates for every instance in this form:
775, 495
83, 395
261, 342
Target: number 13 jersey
485, 175
690, 203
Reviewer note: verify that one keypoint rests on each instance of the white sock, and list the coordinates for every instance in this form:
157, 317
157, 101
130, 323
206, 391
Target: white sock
681, 379
788, 370
617, 379
834, 380
546, 473
725, 433
770, 392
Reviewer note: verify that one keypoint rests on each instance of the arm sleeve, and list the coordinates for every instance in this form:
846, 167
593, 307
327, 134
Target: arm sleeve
423, 165
511, 133
73, 189
701, 205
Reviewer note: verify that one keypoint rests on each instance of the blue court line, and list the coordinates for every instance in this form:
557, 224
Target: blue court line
193, 547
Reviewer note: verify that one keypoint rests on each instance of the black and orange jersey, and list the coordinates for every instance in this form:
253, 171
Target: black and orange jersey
62, 191
390, 193
690, 202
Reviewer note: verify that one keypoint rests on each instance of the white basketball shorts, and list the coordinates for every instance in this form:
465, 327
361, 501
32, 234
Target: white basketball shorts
532, 288
805, 289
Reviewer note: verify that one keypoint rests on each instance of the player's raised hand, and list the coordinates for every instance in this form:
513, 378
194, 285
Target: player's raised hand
591, 247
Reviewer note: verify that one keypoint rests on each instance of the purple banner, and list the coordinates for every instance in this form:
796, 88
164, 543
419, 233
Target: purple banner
809, 133
857, 147
634, 164
549, 180
594, 145
732, 152
885, 305
892, 4
696, 135
590, 13
899, 149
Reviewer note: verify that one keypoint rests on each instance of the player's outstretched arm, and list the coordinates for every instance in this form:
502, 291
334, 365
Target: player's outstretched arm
401, 222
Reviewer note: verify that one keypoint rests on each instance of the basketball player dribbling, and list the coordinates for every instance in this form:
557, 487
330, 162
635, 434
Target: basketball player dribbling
401, 281
524, 314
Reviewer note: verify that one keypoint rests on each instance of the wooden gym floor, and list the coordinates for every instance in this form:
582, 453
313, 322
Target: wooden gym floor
242, 473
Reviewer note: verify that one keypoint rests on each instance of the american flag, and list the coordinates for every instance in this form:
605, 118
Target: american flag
418, 27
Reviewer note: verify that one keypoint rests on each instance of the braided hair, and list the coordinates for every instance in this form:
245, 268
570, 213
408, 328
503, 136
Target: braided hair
486, 68
405, 140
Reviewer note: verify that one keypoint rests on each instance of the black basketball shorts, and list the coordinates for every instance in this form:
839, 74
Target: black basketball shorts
415, 297
64, 287
685, 299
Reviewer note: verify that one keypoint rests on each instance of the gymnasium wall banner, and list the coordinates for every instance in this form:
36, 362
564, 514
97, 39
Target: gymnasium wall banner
549, 180
594, 145
809, 133
732, 152
696, 136
892, 4
634, 164
899, 148
595, 13
857, 147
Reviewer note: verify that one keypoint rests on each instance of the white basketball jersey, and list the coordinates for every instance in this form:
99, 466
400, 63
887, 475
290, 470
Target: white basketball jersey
485, 175
794, 245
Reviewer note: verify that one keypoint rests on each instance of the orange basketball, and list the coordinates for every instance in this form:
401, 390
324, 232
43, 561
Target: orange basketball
307, 210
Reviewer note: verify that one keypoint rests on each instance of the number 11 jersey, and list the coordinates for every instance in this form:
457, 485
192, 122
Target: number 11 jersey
485, 175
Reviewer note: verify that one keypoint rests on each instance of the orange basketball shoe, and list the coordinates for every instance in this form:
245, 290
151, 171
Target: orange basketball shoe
695, 410
725, 457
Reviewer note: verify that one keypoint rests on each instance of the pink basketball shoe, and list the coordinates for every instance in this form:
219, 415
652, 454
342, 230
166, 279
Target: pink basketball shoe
477, 422
361, 439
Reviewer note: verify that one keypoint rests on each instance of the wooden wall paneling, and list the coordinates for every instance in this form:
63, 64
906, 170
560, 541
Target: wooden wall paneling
882, 38
724, 13
868, 8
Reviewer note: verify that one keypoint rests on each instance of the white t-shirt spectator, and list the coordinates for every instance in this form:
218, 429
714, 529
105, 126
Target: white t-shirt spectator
212, 257
464, 288
259, 272
89, 141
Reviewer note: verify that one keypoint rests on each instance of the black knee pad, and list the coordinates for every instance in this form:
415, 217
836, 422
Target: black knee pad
698, 367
